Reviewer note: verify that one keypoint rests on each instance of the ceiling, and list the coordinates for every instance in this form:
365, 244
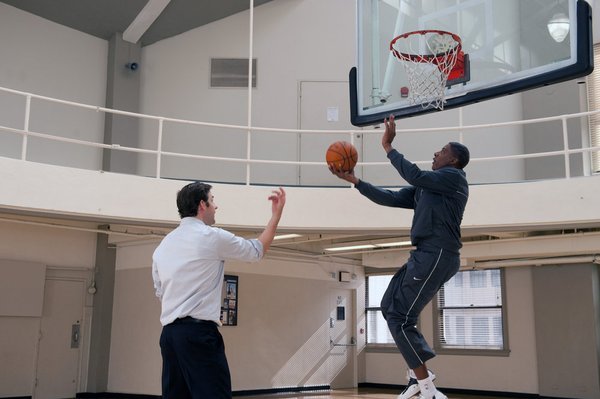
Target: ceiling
103, 18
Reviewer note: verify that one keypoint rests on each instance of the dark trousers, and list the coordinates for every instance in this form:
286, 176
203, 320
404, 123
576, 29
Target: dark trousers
194, 362
410, 290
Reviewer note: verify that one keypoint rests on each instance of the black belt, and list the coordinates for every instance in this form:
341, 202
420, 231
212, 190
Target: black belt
190, 319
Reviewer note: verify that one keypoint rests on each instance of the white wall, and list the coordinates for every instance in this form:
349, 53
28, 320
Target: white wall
50, 189
45, 58
293, 41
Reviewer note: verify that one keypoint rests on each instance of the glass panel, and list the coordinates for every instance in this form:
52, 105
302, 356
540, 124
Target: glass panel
472, 328
472, 288
377, 329
376, 288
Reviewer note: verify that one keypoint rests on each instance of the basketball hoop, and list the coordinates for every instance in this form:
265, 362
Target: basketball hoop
431, 58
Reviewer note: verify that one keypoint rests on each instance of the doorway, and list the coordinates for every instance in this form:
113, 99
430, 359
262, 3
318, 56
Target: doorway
59, 348
342, 356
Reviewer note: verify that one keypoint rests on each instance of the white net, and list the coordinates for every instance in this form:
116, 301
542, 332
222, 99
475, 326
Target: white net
428, 58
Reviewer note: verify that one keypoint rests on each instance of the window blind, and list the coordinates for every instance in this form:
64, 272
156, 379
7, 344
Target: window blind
594, 104
470, 311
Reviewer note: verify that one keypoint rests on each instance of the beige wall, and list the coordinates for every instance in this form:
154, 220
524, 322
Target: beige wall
33, 252
514, 373
282, 336
135, 361
566, 318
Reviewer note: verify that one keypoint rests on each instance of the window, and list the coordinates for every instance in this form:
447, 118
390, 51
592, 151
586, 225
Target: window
594, 104
469, 313
378, 333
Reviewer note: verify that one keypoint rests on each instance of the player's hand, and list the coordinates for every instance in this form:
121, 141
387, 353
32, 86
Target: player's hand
277, 199
348, 176
389, 134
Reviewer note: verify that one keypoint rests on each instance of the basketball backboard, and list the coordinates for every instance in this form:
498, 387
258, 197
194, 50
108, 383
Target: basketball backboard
507, 46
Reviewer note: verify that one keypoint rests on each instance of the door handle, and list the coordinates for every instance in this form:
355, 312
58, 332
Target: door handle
75, 334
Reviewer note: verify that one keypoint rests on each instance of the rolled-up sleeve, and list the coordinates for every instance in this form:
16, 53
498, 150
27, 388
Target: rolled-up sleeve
233, 247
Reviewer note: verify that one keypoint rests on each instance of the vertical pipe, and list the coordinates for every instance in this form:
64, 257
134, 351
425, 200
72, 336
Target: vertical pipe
566, 147
159, 147
26, 127
250, 55
461, 138
585, 129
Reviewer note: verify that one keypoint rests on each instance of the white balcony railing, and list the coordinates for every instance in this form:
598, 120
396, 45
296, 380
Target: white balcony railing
159, 153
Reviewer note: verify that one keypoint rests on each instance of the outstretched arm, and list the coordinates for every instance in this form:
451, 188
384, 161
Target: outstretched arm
277, 203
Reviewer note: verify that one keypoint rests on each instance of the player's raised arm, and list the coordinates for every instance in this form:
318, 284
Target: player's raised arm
277, 199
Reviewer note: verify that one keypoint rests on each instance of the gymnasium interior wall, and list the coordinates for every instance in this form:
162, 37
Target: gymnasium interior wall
48, 59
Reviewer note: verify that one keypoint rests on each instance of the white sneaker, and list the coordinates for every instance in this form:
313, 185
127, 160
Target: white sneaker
436, 395
412, 388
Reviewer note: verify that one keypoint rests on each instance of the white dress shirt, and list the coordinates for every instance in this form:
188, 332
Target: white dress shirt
188, 269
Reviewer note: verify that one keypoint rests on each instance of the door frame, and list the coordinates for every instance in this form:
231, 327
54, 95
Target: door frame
84, 276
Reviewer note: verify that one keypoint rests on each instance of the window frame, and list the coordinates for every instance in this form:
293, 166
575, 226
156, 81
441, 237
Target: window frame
442, 350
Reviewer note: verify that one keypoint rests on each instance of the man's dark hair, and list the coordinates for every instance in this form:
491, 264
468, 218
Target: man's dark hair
461, 152
189, 197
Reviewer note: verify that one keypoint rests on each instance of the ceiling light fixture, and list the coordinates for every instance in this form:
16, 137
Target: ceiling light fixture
394, 244
558, 27
286, 236
370, 246
351, 247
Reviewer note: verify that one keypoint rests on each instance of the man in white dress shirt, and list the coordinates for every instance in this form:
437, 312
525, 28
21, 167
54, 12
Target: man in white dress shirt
188, 272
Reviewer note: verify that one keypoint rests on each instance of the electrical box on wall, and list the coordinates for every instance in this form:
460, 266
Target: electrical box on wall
345, 277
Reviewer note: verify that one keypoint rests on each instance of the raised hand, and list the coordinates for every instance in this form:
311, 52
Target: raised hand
277, 199
389, 134
348, 176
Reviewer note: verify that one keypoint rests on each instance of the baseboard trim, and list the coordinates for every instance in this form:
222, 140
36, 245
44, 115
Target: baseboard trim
253, 392
460, 391
114, 395
271, 391
250, 392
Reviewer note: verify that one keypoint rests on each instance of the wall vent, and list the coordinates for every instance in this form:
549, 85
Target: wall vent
231, 72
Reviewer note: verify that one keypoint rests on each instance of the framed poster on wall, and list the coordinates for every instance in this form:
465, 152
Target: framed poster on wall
229, 301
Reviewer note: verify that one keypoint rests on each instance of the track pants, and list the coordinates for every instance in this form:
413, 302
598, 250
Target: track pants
194, 362
410, 290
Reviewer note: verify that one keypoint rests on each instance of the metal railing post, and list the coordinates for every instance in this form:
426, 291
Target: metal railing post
566, 147
26, 127
159, 147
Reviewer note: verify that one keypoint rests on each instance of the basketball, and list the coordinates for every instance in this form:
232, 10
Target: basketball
342, 155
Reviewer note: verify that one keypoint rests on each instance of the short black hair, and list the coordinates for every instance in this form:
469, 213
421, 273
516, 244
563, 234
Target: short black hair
461, 152
189, 197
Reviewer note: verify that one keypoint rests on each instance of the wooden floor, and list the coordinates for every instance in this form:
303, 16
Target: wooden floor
360, 393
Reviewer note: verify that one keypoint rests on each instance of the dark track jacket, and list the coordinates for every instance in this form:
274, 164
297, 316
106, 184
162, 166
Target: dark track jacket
438, 198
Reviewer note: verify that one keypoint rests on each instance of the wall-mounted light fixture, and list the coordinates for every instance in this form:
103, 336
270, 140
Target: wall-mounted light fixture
558, 27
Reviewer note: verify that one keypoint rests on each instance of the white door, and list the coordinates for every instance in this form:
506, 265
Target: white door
323, 106
60, 340
342, 359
